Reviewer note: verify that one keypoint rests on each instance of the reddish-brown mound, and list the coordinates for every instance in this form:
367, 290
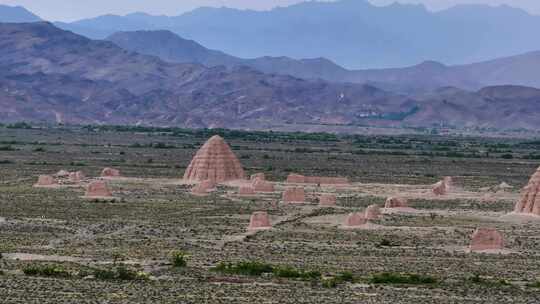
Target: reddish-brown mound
530, 198
110, 172
215, 161
204, 187
442, 187
486, 239
262, 186
246, 191
396, 202
258, 176
355, 219
373, 212
294, 195
76, 177
46, 180
259, 220
327, 200
62, 173
98, 189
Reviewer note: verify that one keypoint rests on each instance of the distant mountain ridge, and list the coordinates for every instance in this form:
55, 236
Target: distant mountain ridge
16, 14
352, 33
50, 75
516, 70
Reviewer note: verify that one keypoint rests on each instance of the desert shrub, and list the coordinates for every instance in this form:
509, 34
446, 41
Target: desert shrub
120, 273
244, 268
39, 149
395, 278
178, 259
292, 273
46, 271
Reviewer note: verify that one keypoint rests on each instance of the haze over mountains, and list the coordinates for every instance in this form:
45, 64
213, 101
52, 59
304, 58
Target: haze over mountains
51, 75
352, 33
516, 70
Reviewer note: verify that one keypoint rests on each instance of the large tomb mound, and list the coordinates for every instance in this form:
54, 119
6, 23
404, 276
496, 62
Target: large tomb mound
486, 239
214, 161
259, 220
530, 198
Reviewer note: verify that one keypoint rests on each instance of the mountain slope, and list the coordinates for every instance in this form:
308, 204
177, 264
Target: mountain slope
16, 14
352, 33
516, 70
47, 74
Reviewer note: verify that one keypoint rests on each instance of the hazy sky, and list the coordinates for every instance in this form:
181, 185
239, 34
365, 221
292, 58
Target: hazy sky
67, 10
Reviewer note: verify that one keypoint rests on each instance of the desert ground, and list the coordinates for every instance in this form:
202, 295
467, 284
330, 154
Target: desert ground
157, 243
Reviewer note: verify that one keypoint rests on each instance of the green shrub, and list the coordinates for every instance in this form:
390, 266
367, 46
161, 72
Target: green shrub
292, 273
120, 273
46, 271
395, 278
178, 259
244, 268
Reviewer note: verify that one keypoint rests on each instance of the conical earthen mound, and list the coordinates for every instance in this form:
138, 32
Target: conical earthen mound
530, 200
214, 161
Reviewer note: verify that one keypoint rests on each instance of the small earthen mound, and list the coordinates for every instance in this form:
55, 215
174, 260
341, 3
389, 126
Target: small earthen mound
486, 239
216, 161
98, 189
373, 212
530, 198
62, 174
45, 180
442, 187
327, 200
109, 172
296, 178
76, 177
258, 176
204, 187
294, 195
259, 220
246, 191
262, 186
396, 202
355, 219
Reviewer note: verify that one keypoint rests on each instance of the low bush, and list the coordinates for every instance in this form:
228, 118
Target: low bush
120, 273
395, 278
178, 259
244, 268
46, 270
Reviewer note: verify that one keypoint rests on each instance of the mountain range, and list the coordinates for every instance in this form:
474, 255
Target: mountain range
515, 70
352, 33
51, 75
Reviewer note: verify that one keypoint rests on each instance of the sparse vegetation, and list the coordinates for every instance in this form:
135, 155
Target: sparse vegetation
406, 279
46, 270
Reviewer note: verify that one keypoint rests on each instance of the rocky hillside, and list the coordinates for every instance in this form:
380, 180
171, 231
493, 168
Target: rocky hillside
516, 70
51, 75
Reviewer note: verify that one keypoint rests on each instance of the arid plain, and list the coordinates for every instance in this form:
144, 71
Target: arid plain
156, 242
